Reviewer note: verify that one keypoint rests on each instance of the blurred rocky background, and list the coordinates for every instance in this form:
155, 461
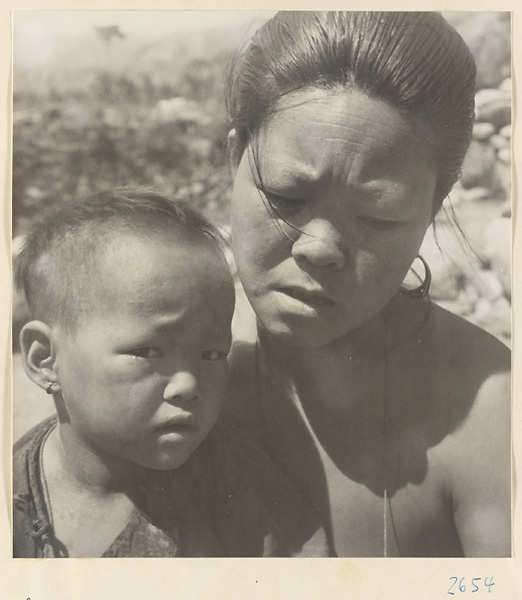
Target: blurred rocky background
469, 248
111, 107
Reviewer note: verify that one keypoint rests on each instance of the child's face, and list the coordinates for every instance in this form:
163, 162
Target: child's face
144, 374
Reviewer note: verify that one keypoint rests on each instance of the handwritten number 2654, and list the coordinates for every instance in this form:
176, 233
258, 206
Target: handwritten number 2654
475, 583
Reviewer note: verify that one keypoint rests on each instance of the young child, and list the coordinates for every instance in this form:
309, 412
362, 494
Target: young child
131, 303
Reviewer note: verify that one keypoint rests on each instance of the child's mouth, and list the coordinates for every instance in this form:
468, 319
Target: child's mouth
177, 425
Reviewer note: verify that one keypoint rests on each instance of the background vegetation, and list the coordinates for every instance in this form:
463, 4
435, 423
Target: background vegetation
108, 110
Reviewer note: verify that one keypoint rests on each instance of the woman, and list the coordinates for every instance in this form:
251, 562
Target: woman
390, 414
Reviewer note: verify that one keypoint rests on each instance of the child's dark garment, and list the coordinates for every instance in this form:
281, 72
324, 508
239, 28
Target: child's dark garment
228, 499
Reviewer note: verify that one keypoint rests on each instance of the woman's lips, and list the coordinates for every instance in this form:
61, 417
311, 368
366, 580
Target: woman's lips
312, 298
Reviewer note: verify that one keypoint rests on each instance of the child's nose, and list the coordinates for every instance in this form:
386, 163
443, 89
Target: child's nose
181, 387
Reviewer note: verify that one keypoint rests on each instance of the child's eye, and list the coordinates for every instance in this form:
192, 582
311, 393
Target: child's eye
213, 355
143, 352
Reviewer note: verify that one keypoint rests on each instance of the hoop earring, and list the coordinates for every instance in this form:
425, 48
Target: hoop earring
423, 290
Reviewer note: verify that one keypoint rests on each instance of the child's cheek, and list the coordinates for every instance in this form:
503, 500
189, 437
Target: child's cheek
129, 369
128, 386
127, 382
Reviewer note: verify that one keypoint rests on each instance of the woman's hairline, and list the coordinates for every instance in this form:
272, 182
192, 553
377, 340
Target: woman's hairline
416, 123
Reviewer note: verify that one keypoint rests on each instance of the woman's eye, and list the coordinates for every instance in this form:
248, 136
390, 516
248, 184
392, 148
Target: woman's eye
213, 355
284, 203
143, 352
379, 224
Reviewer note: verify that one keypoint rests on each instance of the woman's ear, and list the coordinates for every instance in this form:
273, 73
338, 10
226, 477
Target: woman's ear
235, 150
38, 355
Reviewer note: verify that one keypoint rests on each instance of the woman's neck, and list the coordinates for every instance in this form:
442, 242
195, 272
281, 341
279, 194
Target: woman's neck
344, 374
398, 323
361, 346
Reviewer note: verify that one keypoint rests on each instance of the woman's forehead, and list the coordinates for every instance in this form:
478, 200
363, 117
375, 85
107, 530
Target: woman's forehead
315, 132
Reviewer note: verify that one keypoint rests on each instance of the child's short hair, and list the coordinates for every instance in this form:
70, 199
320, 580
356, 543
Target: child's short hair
56, 265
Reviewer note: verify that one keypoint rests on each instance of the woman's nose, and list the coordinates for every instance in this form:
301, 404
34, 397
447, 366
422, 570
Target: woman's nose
320, 245
181, 387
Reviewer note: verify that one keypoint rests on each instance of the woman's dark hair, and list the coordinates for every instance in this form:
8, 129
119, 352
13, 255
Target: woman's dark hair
415, 61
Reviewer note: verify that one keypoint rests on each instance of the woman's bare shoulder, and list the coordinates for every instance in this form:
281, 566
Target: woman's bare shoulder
462, 348
475, 451
455, 378
470, 382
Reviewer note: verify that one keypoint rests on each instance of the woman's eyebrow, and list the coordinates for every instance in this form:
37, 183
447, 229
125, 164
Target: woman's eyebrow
373, 189
295, 174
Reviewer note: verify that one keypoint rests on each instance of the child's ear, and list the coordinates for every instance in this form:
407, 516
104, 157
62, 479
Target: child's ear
38, 355
235, 150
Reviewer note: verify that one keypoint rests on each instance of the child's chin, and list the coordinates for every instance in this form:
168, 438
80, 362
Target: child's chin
166, 463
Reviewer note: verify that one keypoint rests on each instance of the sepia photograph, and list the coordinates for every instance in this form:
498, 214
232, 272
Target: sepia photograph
262, 284
261, 301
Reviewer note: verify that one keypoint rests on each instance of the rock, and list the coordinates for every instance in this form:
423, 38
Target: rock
445, 286
482, 312
498, 141
493, 106
443, 253
506, 85
495, 317
462, 305
476, 194
447, 279
504, 155
478, 169
506, 131
488, 285
489, 95
482, 131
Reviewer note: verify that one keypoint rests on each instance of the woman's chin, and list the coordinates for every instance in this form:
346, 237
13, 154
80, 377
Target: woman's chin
304, 336
361, 331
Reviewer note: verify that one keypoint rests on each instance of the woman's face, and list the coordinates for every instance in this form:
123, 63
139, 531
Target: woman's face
353, 186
